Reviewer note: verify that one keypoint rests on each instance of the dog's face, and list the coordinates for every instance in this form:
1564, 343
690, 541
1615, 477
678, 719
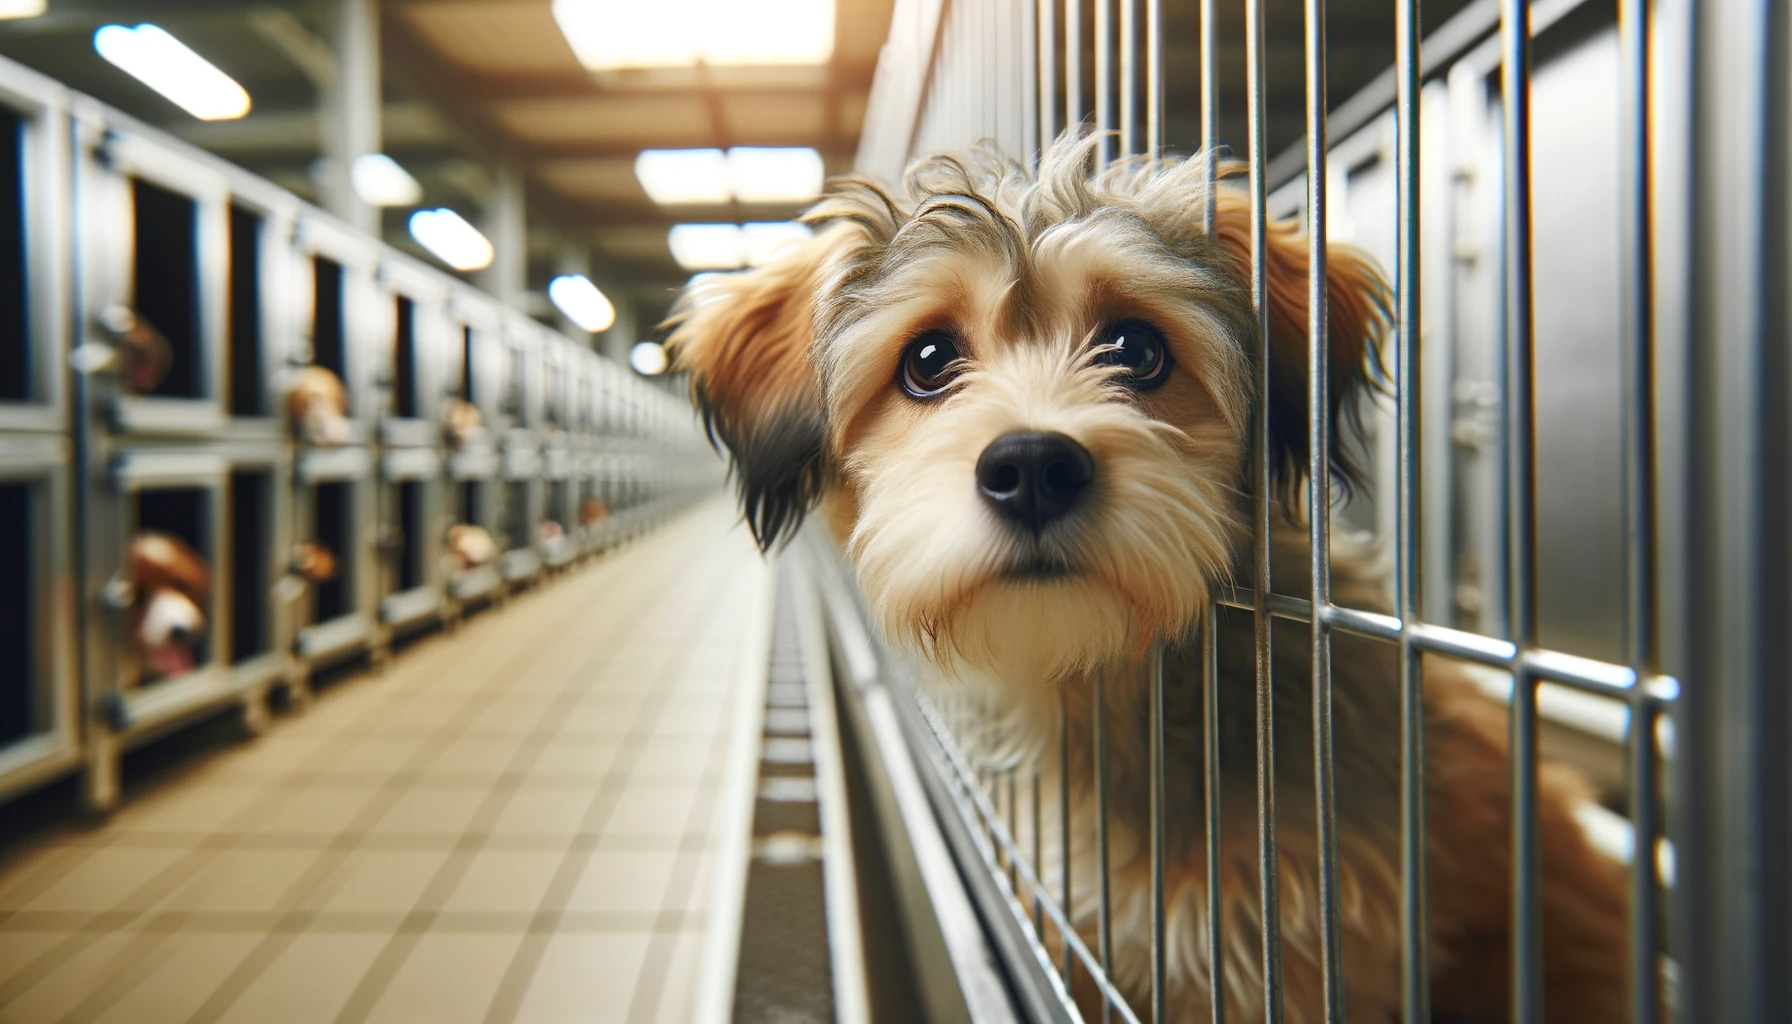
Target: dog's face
318, 407
172, 586
1025, 405
470, 547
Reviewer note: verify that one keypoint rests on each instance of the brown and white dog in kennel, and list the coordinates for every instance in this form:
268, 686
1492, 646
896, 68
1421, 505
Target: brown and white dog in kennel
317, 407
1023, 407
169, 593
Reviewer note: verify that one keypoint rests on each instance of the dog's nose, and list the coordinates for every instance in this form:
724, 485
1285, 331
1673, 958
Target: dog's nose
179, 634
1034, 477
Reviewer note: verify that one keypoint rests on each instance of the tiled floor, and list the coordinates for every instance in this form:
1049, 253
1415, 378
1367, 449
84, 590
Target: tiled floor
513, 823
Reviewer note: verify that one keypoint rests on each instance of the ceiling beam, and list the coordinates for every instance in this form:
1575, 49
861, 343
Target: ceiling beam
489, 87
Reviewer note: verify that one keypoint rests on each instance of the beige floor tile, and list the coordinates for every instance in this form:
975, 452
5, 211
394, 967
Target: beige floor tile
242, 881
651, 811
377, 881
583, 979
491, 755
376, 753
623, 881
431, 812
447, 979
318, 810
187, 969
504, 880
544, 810
309, 981
102, 881
193, 809
678, 996
62, 988
20, 948
27, 870
582, 758
675, 760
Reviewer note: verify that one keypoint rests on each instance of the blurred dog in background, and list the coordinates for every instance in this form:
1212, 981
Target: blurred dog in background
170, 592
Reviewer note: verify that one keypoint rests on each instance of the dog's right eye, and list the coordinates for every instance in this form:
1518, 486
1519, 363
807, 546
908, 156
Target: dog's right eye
929, 364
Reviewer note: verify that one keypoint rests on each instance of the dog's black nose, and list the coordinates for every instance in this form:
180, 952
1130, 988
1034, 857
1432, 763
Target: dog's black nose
179, 634
1034, 477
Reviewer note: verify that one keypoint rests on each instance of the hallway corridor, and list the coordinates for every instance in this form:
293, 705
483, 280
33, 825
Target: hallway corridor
514, 822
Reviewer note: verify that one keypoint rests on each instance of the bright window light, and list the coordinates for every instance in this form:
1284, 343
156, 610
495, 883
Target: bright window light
762, 241
609, 35
763, 175
21, 8
683, 177
451, 239
707, 246
165, 64
379, 181
582, 303
648, 358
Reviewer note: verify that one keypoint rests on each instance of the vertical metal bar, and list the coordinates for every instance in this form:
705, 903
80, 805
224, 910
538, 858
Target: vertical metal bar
1520, 511
1733, 810
1210, 741
1038, 864
1104, 909
1319, 506
1638, 347
1048, 70
1154, 79
1157, 830
1064, 890
1129, 76
1027, 37
1104, 80
1013, 819
1073, 62
1415, 970
1268, 899
1210, 116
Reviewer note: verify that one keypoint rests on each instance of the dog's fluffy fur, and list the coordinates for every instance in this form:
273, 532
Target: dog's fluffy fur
795, 366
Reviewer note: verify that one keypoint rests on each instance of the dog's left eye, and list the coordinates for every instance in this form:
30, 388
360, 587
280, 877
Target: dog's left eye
1137, 347
929, 364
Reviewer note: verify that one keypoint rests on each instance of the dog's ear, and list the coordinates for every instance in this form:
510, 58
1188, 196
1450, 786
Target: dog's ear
745, 339
1359, 311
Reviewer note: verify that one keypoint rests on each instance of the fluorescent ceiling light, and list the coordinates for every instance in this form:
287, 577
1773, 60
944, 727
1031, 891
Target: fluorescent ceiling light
750, 174
707, 246
680, 177
648, 358
582, 303
379, 181
165, 64
783, 175
21, 8
451, 239
762, 241
609, 35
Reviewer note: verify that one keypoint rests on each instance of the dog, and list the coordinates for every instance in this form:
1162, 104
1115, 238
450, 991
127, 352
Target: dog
462, 423
470, 547
1022, 405
169, 594
317, 407
593, 511
129, 346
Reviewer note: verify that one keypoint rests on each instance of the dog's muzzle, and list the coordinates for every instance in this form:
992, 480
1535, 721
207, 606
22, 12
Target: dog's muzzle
1032, 477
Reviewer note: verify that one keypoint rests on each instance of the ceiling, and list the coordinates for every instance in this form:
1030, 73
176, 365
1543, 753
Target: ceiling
470, 85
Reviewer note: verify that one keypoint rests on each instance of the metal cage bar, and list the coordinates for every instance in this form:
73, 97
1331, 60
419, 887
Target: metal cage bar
1415, 975
1269, 903
1319, 504
1521, 509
